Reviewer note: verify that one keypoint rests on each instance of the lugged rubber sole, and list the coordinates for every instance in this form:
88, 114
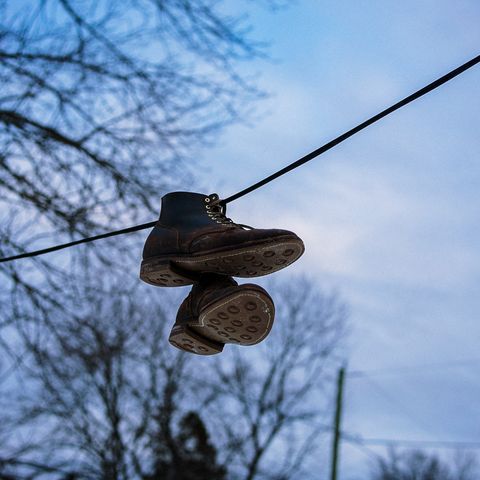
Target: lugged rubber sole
243, 318
245, 262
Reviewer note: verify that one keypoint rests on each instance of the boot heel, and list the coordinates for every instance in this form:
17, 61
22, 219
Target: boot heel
185, 339
162, 273
244, 318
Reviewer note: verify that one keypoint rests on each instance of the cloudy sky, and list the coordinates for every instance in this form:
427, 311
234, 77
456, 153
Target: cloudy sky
390, 218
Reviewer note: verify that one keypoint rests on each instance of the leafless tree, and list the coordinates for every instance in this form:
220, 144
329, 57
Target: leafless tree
103, 103
106, 397
280, 395
419, 465
104, 394
104, 106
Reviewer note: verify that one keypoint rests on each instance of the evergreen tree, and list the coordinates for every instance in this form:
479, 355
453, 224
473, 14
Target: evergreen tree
189, 455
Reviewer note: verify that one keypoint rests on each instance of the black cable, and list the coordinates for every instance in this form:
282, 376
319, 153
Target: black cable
414, 96
36, 253
419, 93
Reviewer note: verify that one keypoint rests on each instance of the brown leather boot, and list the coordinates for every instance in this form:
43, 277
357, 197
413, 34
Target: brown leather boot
194, 236
219, 311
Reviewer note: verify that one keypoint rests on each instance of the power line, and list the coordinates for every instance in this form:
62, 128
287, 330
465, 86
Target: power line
363, 448
414, 96
400, 407
419, 443
412, 369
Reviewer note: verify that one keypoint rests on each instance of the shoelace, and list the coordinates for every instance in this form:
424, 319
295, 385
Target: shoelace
216, 211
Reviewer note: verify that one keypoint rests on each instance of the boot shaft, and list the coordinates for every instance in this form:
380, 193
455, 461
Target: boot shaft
185, 210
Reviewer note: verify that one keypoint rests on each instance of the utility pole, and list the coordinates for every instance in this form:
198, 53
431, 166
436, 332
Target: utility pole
338, 416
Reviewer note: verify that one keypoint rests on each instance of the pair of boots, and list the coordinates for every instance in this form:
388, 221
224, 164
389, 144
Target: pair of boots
195, 243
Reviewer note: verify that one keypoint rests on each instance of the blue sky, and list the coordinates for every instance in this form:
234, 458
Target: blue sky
390, 218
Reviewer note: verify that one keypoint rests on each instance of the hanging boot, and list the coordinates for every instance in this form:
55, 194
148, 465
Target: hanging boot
219, 311
194, 236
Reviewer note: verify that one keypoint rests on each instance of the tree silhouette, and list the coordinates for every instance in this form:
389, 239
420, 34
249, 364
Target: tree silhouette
102, 103
419, 465
106, 397
191, 457
104, 107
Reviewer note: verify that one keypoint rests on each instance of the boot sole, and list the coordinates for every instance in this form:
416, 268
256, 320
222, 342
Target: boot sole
244, 318
244, 262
